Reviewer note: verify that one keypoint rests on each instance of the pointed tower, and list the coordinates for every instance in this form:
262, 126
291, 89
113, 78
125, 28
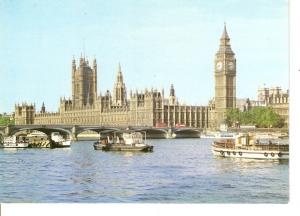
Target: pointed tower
94, 81
73, 78
225, 78
43, 108
172, 98
119, 93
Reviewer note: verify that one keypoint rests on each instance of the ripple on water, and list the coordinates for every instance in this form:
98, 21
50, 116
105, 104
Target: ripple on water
178, 171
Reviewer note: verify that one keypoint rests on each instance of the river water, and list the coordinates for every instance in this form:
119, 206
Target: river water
178, 171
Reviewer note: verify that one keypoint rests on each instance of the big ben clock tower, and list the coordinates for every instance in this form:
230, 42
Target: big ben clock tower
225, 74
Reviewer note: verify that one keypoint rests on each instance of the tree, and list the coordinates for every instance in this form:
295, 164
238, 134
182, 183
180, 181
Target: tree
5, 121
232, 116
259, 116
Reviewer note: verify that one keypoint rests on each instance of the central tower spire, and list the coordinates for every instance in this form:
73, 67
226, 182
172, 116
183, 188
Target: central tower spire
119, 94
119, 74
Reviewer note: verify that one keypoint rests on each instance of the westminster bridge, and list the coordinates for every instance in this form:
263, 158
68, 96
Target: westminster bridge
74, 130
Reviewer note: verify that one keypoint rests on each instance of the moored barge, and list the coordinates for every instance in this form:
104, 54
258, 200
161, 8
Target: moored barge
130, 141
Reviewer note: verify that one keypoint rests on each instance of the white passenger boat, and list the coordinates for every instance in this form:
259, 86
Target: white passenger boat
60, 141
248, 146
14, 142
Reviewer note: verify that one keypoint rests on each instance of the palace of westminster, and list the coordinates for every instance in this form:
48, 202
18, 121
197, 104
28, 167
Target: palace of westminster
150, 107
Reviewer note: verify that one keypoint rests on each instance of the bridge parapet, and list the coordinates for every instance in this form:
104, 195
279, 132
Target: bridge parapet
74, 130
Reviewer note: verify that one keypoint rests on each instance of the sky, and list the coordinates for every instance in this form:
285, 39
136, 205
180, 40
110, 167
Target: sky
158, 43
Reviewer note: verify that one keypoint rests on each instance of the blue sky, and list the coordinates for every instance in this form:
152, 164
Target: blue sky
157, 43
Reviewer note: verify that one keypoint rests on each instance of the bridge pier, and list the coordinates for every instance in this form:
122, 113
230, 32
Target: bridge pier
74, 133
170, 134
7, 130
74, 137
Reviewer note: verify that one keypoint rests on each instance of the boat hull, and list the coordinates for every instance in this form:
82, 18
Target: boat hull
257, 154
62, 144
116, 147
14, 145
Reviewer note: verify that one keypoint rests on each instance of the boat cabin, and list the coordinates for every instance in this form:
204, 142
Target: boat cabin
125, 138
250, 141
15, 139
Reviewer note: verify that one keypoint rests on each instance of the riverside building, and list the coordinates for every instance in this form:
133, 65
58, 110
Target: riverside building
276, 98
151, 108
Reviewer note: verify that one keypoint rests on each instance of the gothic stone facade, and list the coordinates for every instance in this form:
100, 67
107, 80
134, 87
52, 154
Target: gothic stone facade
147, 108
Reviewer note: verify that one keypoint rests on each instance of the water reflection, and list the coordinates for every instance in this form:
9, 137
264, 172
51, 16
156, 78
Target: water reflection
245, 165
178, 171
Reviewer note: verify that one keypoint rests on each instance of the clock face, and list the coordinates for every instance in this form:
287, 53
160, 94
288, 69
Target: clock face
219, 66
230, 66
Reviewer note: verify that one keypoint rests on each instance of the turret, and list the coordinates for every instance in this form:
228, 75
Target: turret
95, 78
95, 63
24, 114
119, 74
43, 108
172, 98
172, 91
73, 64
82, 60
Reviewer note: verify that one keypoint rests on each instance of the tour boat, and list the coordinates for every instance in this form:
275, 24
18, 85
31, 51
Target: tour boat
59, 141
248, 146
130, 141
14, 142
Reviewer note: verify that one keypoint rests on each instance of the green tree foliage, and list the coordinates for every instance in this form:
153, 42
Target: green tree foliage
261, 117
5, 121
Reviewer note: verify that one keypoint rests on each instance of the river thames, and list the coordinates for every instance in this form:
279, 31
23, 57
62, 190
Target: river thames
178, 171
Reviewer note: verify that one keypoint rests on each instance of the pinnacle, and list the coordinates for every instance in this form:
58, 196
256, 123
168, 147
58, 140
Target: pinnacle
119, 74
119, 68
225, 34
225, 43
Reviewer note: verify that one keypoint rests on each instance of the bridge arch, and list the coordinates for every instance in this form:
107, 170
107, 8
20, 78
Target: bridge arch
187, 133
98, 130
155, 133
44, 130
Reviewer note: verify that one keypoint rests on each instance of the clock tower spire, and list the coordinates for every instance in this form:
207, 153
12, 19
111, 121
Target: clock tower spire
225, 78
